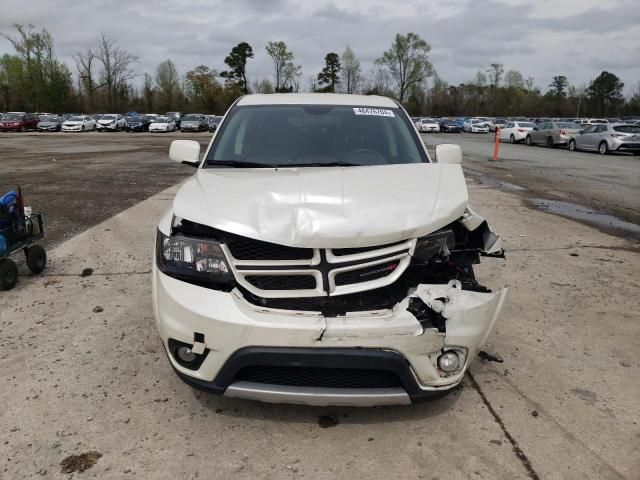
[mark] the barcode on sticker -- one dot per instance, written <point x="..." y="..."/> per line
<point x="377" y="112"/>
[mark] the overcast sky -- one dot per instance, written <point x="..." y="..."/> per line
<point x="540" y="38"/>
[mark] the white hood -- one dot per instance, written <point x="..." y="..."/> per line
<point x="331" y="207"/>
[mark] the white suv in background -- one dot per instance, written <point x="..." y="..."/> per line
<point x="319" y="256"/>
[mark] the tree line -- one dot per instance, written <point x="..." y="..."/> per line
<point x="34" y="79"/>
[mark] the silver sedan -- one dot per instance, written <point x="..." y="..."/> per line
<point x="606" y="138"/>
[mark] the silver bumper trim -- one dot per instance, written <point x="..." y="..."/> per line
<point x="319" y="397"/>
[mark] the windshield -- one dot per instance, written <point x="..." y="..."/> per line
<point x="161" y="120"/>
<point x="75" y="119"/>
<point x="14" y="116"/>
<point x="108" y="117"/>
<point x="315" y="135"/>
<point x="134" y="119"/>
<point x="526" y="124"/>
<point x="191" y="118"/>
<point x="627" y="128"/>
<point x="48" y="118"/>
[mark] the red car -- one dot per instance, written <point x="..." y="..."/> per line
<point x="19" y="122"/>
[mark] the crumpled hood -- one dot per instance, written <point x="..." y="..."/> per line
<point x="331" y="207"/>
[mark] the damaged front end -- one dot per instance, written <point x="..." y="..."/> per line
<point x="435" y="312"/>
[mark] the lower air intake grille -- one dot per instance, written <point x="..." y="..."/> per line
<point x="282" y="282"/>
<point x="319" y="377"/>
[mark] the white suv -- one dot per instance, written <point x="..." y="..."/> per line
<point x="319" y="256"/>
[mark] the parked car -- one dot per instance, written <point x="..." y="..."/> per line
<point x="193" y="123"/>
<point x="515" y="132"/>
<point x="136" y="124"/>
<point x="19" y="122"/>
<point x="162" y="124"/>
<point x="427" y="125"/>
<point x="50" y="123"/>
<point x="552" y="134"/>
<point x="497" y="123"/>
<point x="473" y="125"/>
<point x="79" y="123"/>
<point x="450" y="126"/>
<point x="177" y="117"/>
<point x="606" y="138"/>
<point x="591" y="121"/>
<point x="248" y="304"/>
<point x="110" y="122"/>
<point x="213" y="123"/>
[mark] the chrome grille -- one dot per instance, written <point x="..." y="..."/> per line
<point x="269" y="270"/>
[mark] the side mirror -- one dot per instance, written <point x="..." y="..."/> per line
<point x="185" y="151"/>
<point x="535" y="128"/>
<point x="449" y="153"/>
<point x="580" y="132"/>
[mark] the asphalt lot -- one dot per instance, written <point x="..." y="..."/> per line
<point x="76" y="378"/>
<point x="603" y="183"/>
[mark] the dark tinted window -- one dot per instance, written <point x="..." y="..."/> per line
<point x="278" y="135"/>
<point x="627" y="128"/>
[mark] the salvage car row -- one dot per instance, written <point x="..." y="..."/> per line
<point x="131" y="122"/>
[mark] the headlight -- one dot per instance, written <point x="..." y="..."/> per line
<point x="438" y="244"/>
<point x="194" y="260"/>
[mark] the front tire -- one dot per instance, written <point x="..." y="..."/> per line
<point x="8" y="274"/>
<point x="528" y="141"/>
<point x="36" y="258"/>
<point x="603" y="148"/>
<point x="82" y="129"/>
<point x="512" y="139"/>
<point x="550" y="142"/>
<point x="572" y="146"/>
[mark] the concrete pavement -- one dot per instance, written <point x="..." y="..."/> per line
<point x="78" y="378"/>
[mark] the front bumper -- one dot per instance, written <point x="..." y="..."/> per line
<point x="106" y="127"/>
<point x="227" y="325"/>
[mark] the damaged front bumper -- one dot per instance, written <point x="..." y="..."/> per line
<point x="233" y="337"/>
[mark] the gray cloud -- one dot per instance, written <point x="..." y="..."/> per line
<point x="465" y="35"/>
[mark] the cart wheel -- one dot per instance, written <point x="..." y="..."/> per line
<point x="8" y="274"/>
<point x="36" y="258"/>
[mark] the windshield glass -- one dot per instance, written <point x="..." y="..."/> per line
<point x="627" y="128"/>
<point x="48" y="118"/>
<point x="14" y="116"/>
<point x="108" y="117"/>
<point x="75" y="119"/>
<point x="191" y="118"/>
<point x="161" y="120"/>
<point x="134" y="119"/>
<point x="316" y="135"/>
<point x="526" y="124"/>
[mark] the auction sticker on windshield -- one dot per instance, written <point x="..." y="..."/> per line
<point x="378" y="112"/>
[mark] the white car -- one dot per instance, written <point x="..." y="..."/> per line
<point x="80" y="123"/>
<point x="110" y="122"/>
<point x="514" y="132"/>
<point x="163" y="124"/>
<point x="428" y="125"/>
<point x="320" y="256"/>
<point x="474" y="125"/>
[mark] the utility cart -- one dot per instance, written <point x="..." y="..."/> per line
<point x="19" y="230"/>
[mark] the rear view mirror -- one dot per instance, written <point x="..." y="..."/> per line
<point x="185" y="151"/>
<point x="449" y="153"/>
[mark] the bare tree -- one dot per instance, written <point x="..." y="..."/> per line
<point x="116" y="68"/>
<point x="168" y="83"/>
<point x="351" y="74"/>
<point x="85" y="64"/>
<point x="407" y="61"/>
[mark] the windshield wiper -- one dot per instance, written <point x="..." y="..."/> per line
<point x="320" y="164"/>
<point x="239" y="164"/>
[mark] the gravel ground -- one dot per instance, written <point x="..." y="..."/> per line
<point x="80" y="179"/>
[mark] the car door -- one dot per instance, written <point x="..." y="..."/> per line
<point x="585" y="140"/>
<point x="538" y="135"/>
<point x="506" y="131"/>
<point x="601" y="133"/>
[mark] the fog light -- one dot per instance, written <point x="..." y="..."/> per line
<point x="449" y="361"/>
<point x="185" y="355"/>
